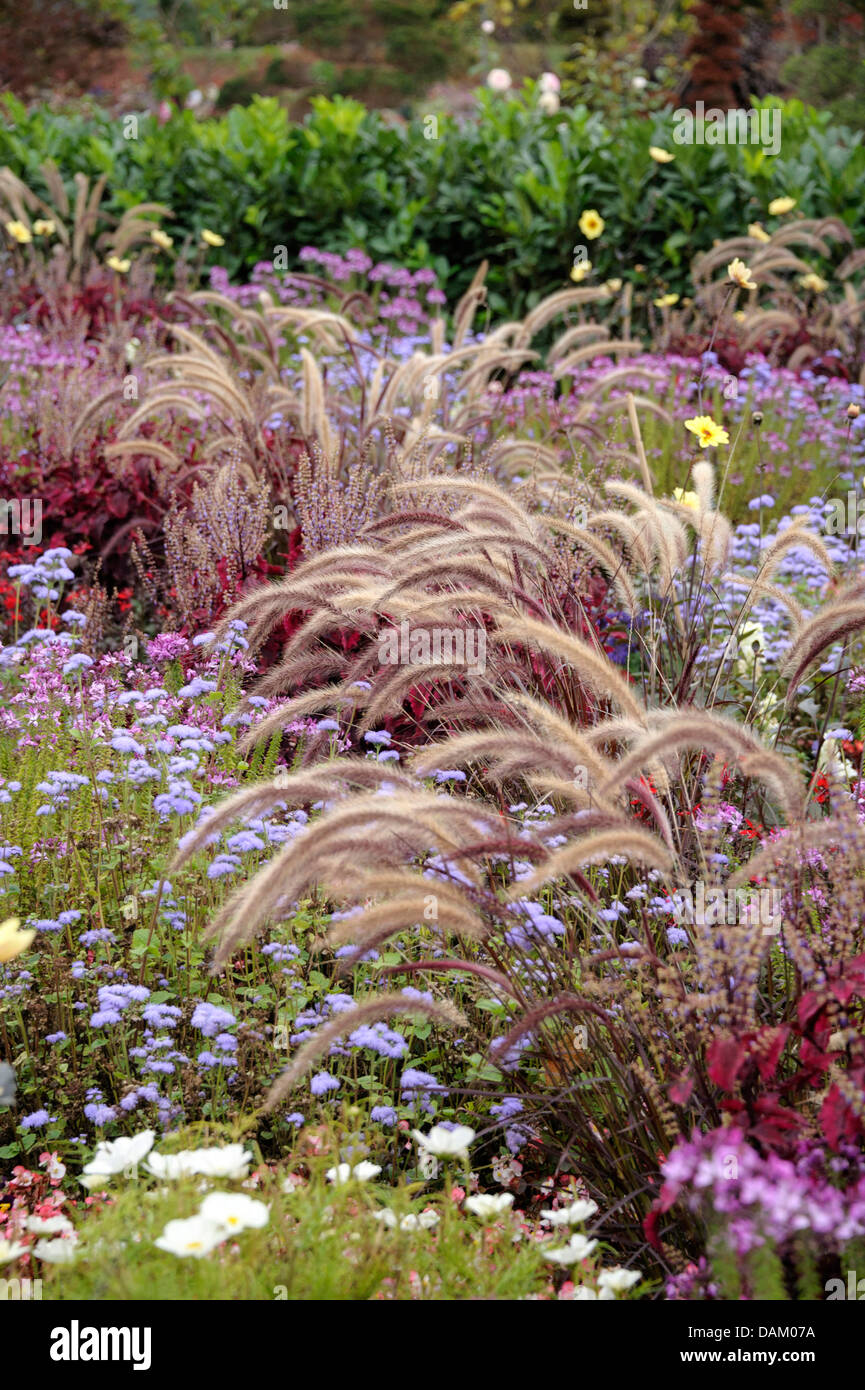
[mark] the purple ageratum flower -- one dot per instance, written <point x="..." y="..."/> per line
<point x="295" y="1118"/>
<point x="90" y="938"/>
<point x="383" y="1115"/>
<point x="323" y="1082"/>
<point x="99" y="1114"/>
<point x="37" y="1120"/>
<point x="209" y="1019"/>
<point x="197" y="686"/>
<point x="103" y="1018"/>
<point x="161" y="1015"/>
<point x="56" y="1038"/>
<point x="413" y="1082"/>
<point x="125" y="743"/>
<point x="377" y="737"/>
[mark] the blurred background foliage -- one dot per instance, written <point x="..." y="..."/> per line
<point x="618" y="57"/>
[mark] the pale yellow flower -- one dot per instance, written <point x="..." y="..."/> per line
<point x="666" y="301"/>
<point x="758" y="231"/>
<point x="740" y="274"/>
<point x="779" y="206"/>
<point x="161" y="239"/>
<point x="813" y="281"/>
<point x="13" y="941"/>
<point x="579" y="272"/>
<point x="44" y="226"/>
<point x="115" y="263"/>
<point x="212" y="238"/>
<point x="613" y="286"/>
<point x="661" y="156"/>
<point x="19" y="232"/>
<point x="708" y="433"/>
<point x="687" y="499"/>
<point x="591" y="224"/>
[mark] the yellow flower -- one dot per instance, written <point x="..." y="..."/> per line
<point x="666" y="301"/>
<point x="758" y="232"/>
<point x="591" y="224"/>
<point x="739" y="316"/>
<point x="43" y="226"/>
<point x="661" y="156"/>
<point x="579" y="272"/>
<point x="161" y="239"/>
<point x="708" y="433"/>
<point x="687" y="499"/>
<point x="613" y="286"/>
<point x="740" y="274"/>
<point x="13" y="941"/>
<point x="115" y="263"/>
<point x="813" y="281"/>
<point x="19" y="232"/>
<point x="212" y="238"/>
<point x="778" y="206"/>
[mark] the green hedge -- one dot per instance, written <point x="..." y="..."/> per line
<point x="508" y="186"/>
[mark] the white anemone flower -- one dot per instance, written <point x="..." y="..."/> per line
<point x="363" y="1172"/>
<point x="577" y="1248"/>
<point x="578" y="1211"/>
<point x="49" y="1225"/>
<point x="425" y="1221"/>
<point x="385" y="1216"/>
<point x="489" y="1207"/>
<point x="619" y="1280"/>
<point x="445" y="1143"/>
<point x="115" y="1156"/>
<point x="11" y="1250"/>
<point x="549" y="103"/>
<point x="498" y="80"/>
<point x="196" y="1236"/>
<point x="59" y="1251"/>
<point x="231" y="1161"/>
<point x="234" y="1211"/>
<point x="583" y="1293"/>
<point x="549" y="82"/>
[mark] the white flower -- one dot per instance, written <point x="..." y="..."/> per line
<point x="55" y="1252"/>
<point x="488" y="26"/>
<point x="549" y="82"/>
<point x="639" y="82"/>
<point x="117" y="1156"/>
<point x="385" y="1216"/>
<point x="234" y="1211"/>
<point x="10" y="1250"/>
<point x="577" y="1248"/>
<point x="570" y="1216"/>
<point x="49" y="1225"/>
<point x="582" y="1293"/>
<point x="498" y="79"/>
<point x="424" y="1222"/>
<point x="445" y="1143"/>
<point x="195" y="1236"/>
<point x="488" y="1207"/>
<point x="549" y="103"/>
<point x="364" y="1172"/>
<point x="619" y="1280"/>
<point x="231" y="1161"/>
<point x="194" y="99"/>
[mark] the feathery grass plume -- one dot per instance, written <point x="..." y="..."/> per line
<point x="637" y="846"/>
<point x="598" y="672"/>
<point x="842" y="619"/>
<point x="370" y="1011"/>
<point x="362" y="829"/>
<point x="638" y="441"/>
<point x="704" y="729"/>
